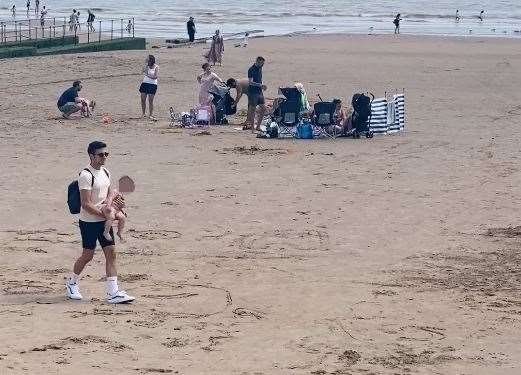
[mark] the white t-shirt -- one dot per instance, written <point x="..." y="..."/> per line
<point x="99" y="190"/>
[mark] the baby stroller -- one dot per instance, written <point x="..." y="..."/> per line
<point x="361" y="116"/>
<point x="223" y="102"/>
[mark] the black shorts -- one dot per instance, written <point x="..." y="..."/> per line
<point x="92" y="232"/>
<point x="148" y="88"/>
<point x="255" y="99"/>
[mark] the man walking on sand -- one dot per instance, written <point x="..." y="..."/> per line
<point x="95" y="185"/>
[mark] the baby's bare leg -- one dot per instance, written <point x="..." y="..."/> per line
<point x="120" y="216"/>
<point x="110" y="216"/>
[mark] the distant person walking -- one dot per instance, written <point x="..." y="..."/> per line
<point x="78" y="24"/>
<point x="95" y="185"/>
<point x="28" y="6"/>
<point x="215" y="54"/>
<point x="72" y="20"/>
<point x="190" y="28"/>
<point x="130" y="26"/>
<point x="42" y="17"/>
<point x="457" y="16"/>
<point x="90" y="21"/>
<point x="148" y="87"/>
<point x="37" y="7"/>
<point x="481" y="15"/>
<point x="396" y="22"/>
<point x="13" y="10"/>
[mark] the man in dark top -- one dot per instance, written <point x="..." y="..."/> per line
<point x="69" y="102"/>
<point x="255" y="95"/>
<point x="190" y="27"/>
<point x="90" y="21"/>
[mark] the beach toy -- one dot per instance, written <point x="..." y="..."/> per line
<point x="107" y="120"/>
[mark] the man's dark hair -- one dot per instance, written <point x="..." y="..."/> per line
<point x="151" y="61"/>
<point x="231" y="82"/>
<point x="205" y="65"/>
<point x="260" y="58"/>
<point x="96" y="145"/>
<point x="76" y="83"/>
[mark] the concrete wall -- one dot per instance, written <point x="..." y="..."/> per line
<point x="107" y="45"/>
<point x="6" y="53"/>
<point x="42" y="43"/>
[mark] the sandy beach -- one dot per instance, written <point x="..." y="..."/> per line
<point x="396" y="255"/>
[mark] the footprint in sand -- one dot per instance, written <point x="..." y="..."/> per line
<point x="154" y="234"/>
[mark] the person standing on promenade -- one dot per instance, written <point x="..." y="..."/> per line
<point x="255" y="94"/>
<point x="90" y="21"/>
<point x="28" y="5"/>
<point x="77" y="26"/>
<point x="42" y="17"/>
<point x="148" y="87"/>
<point x="95" y="185"/>
<point x="72" y="20"/>
<point x="37" y="7"/>
<point x="481" y="15"/>
<point x="215" y="54"/>
<point x="13" y="10"/>
<point x="396" y="22"/>
<point x="190" y="28"/>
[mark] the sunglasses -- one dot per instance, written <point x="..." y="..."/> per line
<point x="105" y="154"/>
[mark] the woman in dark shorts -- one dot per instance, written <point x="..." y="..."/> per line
<point x="149" y="86"/>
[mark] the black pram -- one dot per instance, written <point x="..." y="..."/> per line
<point x="223" y="102"/>
<point x="361" y="115"/>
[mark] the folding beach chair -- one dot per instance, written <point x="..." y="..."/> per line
<point x="323" y="118"/>
<point x="288" y="113"/>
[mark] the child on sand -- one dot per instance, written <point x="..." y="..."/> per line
<point x="87" y="107"/>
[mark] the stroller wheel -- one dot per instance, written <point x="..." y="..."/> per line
<point x="369" y="135"/>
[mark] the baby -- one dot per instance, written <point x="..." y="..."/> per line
<point x="112" y="214"/>
<point x="87" y="107"/>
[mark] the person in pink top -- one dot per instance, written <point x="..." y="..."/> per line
<point x="207" y="79"/>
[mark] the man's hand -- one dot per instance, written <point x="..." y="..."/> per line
<point x="119" y="202"/>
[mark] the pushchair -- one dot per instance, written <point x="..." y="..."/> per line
<point x="223" y="102"/>
<point x="361" y="116"/>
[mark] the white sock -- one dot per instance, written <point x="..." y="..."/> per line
<point x="74" y="278"/>
<point x="112" y="285"/>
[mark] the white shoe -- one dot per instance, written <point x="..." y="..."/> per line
<point x="120" y="297"/>
<point x="73" y="291"/>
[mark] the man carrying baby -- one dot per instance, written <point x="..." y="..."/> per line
<point x="95" y="186"/>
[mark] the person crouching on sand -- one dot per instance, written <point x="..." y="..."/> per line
<point x="70" y="102"/>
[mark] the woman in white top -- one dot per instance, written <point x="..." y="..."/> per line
<point x="149" y="86"/>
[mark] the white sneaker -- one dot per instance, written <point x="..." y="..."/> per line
<point x="73" y="291"/>
<point x="120" y="297"/>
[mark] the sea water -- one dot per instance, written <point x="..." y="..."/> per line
<point x="167" y="18"/>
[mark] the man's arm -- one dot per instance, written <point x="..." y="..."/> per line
<point x="239" y="93"/>
<point x="87" y="204"/>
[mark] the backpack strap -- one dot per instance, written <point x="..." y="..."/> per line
<point x="106" y="172"/>
<point x="88" y="170"/>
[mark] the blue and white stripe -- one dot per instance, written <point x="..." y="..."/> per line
<point x="378" y="124"/>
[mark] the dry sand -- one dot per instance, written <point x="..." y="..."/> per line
<point x="247" y="256"/>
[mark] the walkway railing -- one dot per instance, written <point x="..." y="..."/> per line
<point x="12" y="32"/>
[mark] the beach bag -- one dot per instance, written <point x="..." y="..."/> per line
<point x="73" y="193"/>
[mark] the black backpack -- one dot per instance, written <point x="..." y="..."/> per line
<point x="73" y="193"/>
